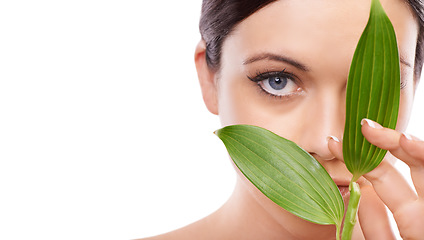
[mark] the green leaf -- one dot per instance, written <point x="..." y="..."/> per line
<point x="373" y="90"/>
<point x="285" y="173"/>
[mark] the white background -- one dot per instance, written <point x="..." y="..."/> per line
<point x="103" y="132"/>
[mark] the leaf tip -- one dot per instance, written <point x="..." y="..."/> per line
<point x="216" y="132"/>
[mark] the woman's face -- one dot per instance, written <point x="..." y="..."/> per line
<point x="285" y="69"/>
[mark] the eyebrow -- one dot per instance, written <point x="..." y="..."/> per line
<point x="281" y="58"/>
<point x="402" y="60"/>
<point x="275" y="57"/>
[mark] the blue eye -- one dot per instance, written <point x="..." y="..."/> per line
<point x="277" y="83"/>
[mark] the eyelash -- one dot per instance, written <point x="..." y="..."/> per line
<point x="260" y="76"/>
<point x="269" y="74"/>
<point x="403" y="84"/>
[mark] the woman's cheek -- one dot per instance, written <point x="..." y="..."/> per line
<point x="405" y="107"/>
<point x="246" y="104"/>
<point x="239" y="103"/>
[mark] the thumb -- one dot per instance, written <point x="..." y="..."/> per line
<point x="373" y="216"/>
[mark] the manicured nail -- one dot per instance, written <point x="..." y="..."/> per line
<point x="334" y="138"/>
<point x="407" y="136"/>
<point x="370" y="123"/>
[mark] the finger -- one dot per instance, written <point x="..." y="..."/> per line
<point x="385" y="138"/>
<point x="410" y="220"/>
<point x="385" y="178"/>
<point x="391" y="186"/>
<point x="408" y="149"/>
<point x="373" y="216"/>
<point x="415" y="148"/>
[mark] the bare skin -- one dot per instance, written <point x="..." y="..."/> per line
<point x="312" y="51"/>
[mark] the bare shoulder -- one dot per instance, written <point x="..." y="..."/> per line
<point x="203" y="229"/>
<point x="166" y="236"/>
<point x="183" y="233"/>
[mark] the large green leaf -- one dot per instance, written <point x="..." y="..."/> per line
<point x="285" y="173"/>
<point x="373" y="90"/>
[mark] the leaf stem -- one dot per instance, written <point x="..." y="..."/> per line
<point x="338" y="232"/>
<point x="352" y="209"/>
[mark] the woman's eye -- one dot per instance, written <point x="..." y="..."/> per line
<point x="279" y="85"/>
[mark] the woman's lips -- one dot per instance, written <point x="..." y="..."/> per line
<point x="344" y="190"/>
<point x="343" y="186"/>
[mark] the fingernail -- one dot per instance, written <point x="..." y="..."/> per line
<point x="334" y="138"/>
<point x="407" y="136"/>
<point x="370" y="123"/>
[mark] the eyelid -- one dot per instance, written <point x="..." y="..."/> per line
<point x="403" y="84"/>
<point x="260" y="76"/>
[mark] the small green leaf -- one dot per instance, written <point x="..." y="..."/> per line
<point x="373" y="90"/>
<point x="285" y="173"/>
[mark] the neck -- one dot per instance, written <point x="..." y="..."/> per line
<point x="249" y="214"/>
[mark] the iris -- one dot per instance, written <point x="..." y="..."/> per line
<point x="277" y="83"/>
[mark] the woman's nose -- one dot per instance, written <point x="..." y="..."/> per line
<point x="324" y="118"/>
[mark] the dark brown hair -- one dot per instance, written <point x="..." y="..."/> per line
<point x="219" y="17"/>
<point x="418" y="7"/>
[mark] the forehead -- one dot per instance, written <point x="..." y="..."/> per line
<point x="324" y="29"/>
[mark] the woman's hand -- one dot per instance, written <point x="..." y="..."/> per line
<point x="406" y="204"/>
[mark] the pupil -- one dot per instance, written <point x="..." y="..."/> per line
<point x="277" y="83"/>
